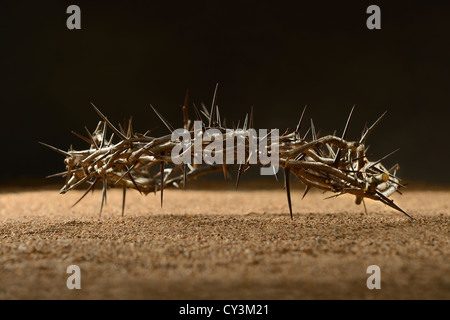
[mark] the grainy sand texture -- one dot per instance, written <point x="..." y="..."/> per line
<point x="222" y="244"/>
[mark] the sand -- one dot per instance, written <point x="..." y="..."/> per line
<point x="222" y="244"/>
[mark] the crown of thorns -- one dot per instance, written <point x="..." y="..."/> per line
<point x="142" y="162"/>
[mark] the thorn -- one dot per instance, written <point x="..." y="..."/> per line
<point x="306" y="134"/>
<point x="110" y="139"/>
<point x="224" y="169"/>
<point x="60" y="174"/>
<point x="102" y="143"/>
<point x="122" y="129"/>
<point x="334" y="196"/>
<point x="162" y="182"/>
<point x="318" y="133"/>
<point x="288" y="189"/>
<point x="184" y="175"/>
<point x="251" y="118"/>
<point x="166" y="123"/>
<point x="56" y="149"/>
<point x="245" y="122"/>
<point x="185" y="110"/>
<point x="337" y="158"/>
<point x="211" y="116"/>
<point x="134" y="182"/>
<point x="128" y="170"/>
<point x="91" y="137"/>
<point x="114" y="129"/>
<point x="219" y="122"/>
<point x="91" y="187"/>
<point x="386" y="156"/>
<point x="365" y="208"/>
<point x="205" y="111"/>
<point x="82" y="137"/>
<point x="105" y="185"/>
<point x="130" y="127"/>
<point x="313" y="130"/>
<point x="364" y="129"/>
<point x="391" y="203"/>
<point x="347" y="125"/>
<point x="369" y="131"/>
<point x="197" y="113"/>
<point x="306" y="191"/>
<point x="123" y="200"/>
<point x="275" y="173"/>
<point x="241" y="167"/>
<point x="297" y="130"/>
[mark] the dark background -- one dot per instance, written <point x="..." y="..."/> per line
<point x="277" y="56"/>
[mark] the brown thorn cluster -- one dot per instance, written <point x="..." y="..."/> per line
<point x="329" y="163"/>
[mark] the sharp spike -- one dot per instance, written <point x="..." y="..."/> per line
<point x="197" y="113"/>
<point x="81" y="137"/>
<point x="347" y="125"/>
<point x="185" y="110"/>
<point x="364" y="129"/>
<point x="378" y="161"/>
<point x="307" y="188"/>
<point x="245" y="122"/>
<point x="134" y="182"/>
<point x="337" y="158"/>
<point x="185" y="168"/>
<point x="299" y="125"/>
<point x="365" y="208"/>
<point x="91" y="137"/>
<point x="205" y="111"/>
<point x="166" y="123"/>
<point x="211" y="118"/>
<point x="126" y="173"/>
<point x="91" y="187"/>
<point x="130" y="132"/>
<point x="123" y="128"/>
<point x="318" y="133"/>
<point x="369" y="131"/>
<point x="124" y="194"/>
<point x="104" y="200"/>
<point x="334" y="196"/>
<point x="394" y="168"/>
<point x="241" y="168"/>
<point x="275" y="173"/>
<point x="114" y="129"/>
<point x="60" y="174"/>
<point x="391" y="203"/>
<point x="162" y="182"/>
<point x="206" y="114"/>
<point x="102" y="143"/>
<point x="288" y="189"/>
<point x="219" y="122"/>
<point x="110" y="139"/>
<point x="224" y="169"/>
<point x="64" y="153"/>
<point x="306" y="134"/>
<point x="313" y="130"/>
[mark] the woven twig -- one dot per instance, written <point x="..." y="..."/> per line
<point x="141" y="162"/>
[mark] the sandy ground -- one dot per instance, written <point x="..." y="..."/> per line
<point x="222" y="244"/>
